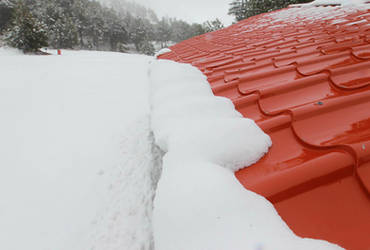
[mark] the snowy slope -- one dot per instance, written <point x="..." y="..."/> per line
<point x="74" y="130"/>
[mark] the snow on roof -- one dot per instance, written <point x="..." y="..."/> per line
<point x="342" y="3"/>
<point x="303" y="74"/>
<point x="338" y="2"/>
<point x="161" y="52"/>
<point x="199" y="204"/>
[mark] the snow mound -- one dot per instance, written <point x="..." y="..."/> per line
<point x="162" y="51"/>
<point x="199" y="204"/>
<point x="189" y="121"/>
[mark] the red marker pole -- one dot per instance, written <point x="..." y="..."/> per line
<point x="59" y="52"/>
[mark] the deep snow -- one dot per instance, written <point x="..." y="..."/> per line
<point x="75" y="151"/>
<point x="199" y="204"/>
<point x="80" y="168"/>
<point x="189" y="121"/>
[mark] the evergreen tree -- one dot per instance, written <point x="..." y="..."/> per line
<point x="164" y="31"/>
<point x="95" y="27"/>
<point x="122" y="47"/>
<point x="239" y="9"/>
<point x="196" y="30"/>
<point x="65" y="33"/>
<point x="116" y="33"/>
<point x="5" y="14"/>
<point x="146" y="47"/>
<point x="26" y="33"/>
<point x="87" y="24"/>
<point x="80" y="19"/>
<point x="138" y="32"/>
<point x="210" y="26"/>
<point x="180" y="30"/>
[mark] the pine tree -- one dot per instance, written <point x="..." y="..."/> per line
<point x="26" y="33"/>
<point x="122" y="47"/>
<point x="5" y="14"/>
<point x="238" y="9"/>
<point x="146" y="47"/>
<point x="96" y="27"/>
<point x="164" y="31"/>
<point x="196" y="30"/>
<point x="87" y="24"/>
<point x="180" y="30"/>
<point x="138" y="32"/>
<point x="210" y="26"/>
<point x="116" y="34"/>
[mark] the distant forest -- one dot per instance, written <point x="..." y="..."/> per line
<point x="118" y="25"/>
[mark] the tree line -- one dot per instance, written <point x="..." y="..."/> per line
<point x="87" y="24"/>
<point x="119" y="25"/>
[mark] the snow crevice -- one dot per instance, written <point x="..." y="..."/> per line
<point x="126" y="222"/>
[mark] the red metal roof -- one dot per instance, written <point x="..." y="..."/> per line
<point x="303" y="74"/>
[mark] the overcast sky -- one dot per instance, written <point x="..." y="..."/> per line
<point x="191" y="10"/>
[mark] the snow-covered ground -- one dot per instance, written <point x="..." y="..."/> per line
<point x="79" y="166"/>
<point x="75" y="150"/>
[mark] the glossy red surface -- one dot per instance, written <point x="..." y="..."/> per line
<point x="303" y="74"/>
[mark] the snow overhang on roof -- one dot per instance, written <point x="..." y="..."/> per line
<point x="303" y="74"/>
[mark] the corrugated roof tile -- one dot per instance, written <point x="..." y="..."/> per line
<point x="352" y="76"/>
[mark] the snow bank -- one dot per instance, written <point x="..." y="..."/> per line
<point x="75" y="167"/>
<point x="199" y="204"/>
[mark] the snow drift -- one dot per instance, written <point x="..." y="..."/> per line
<point x="199" y="204"/>
<point x="76" y="167"/>
<point x="189" y="121"/>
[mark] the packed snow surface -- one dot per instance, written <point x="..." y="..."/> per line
<point x="199" y="203"/>
<point x="76" y="152"/>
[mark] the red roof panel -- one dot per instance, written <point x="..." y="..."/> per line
<point x="303" y="74"/>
